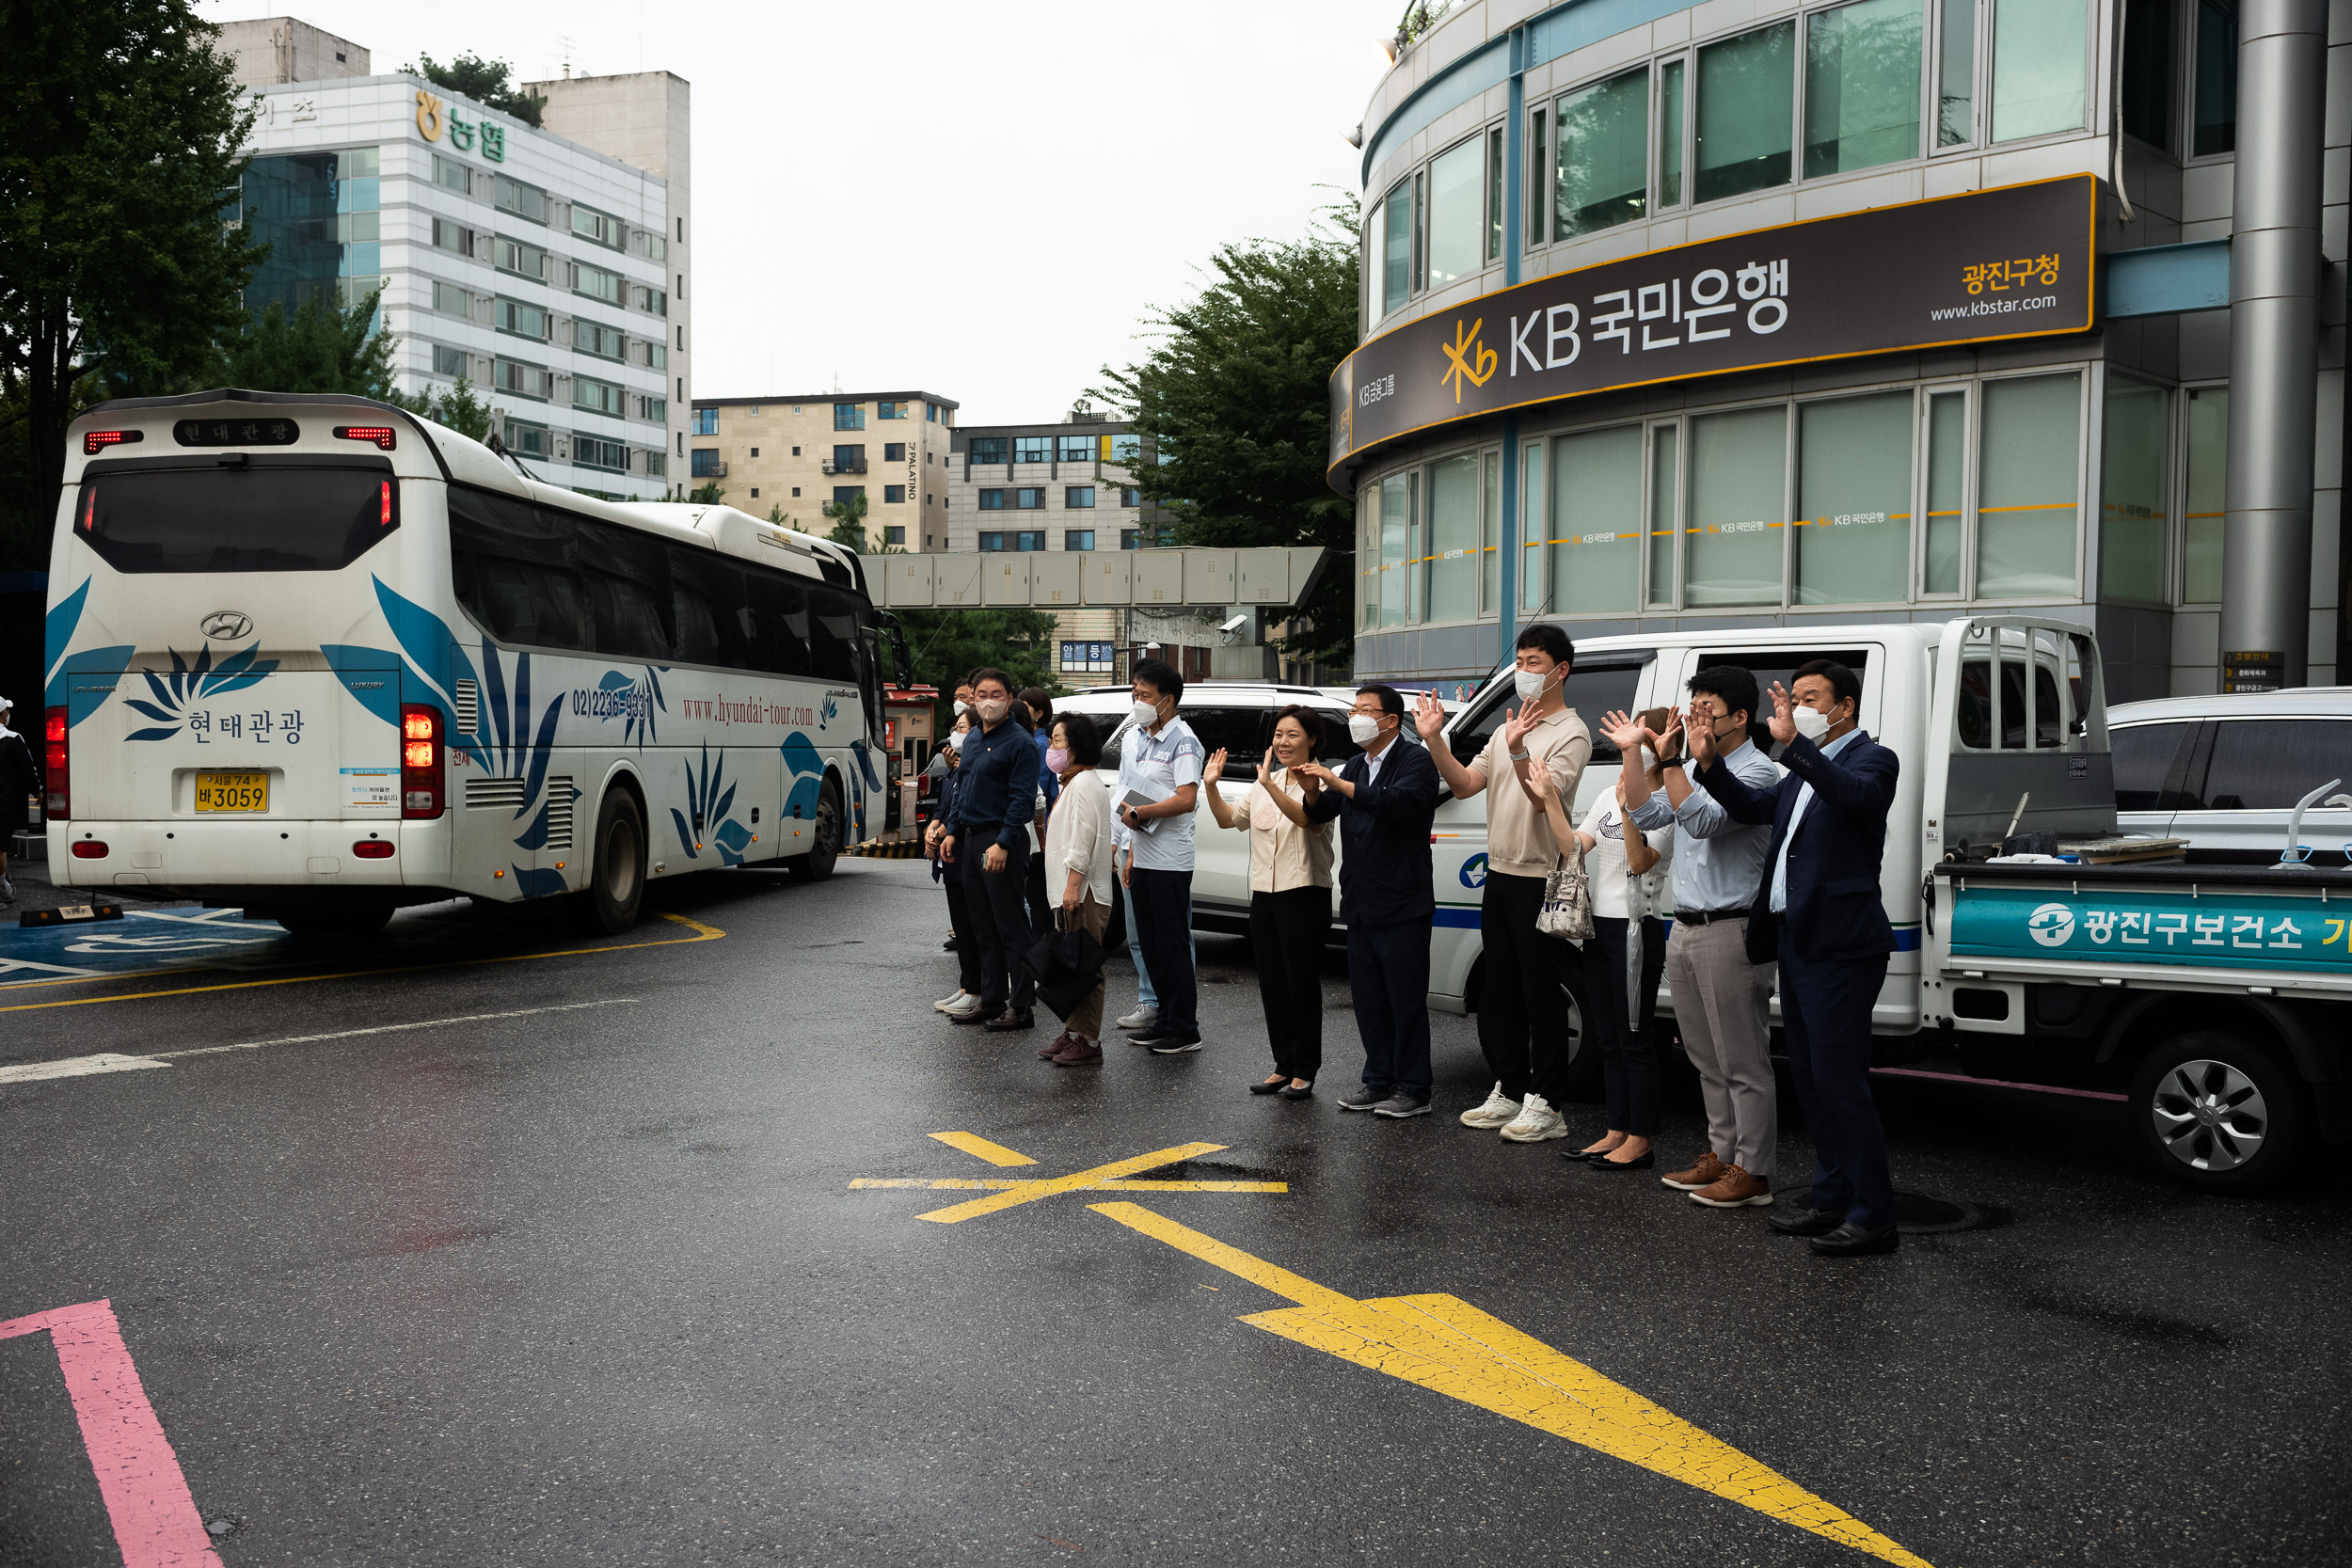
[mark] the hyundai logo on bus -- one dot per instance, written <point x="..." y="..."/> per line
<point x="225" y="625"/>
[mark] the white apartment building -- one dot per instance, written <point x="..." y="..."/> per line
<point x="547" y="273"/>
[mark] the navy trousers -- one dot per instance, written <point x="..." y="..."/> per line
<point x="1387" y="974"/>
<point x="1000" y="919"/>
<point x="1825" y="1019"/>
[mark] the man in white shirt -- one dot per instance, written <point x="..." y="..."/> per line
<point x="1161" y="763"/>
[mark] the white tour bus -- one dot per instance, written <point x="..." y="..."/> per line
<point x="317" y="658"/>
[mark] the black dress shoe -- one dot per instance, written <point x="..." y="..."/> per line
<point x="1292" y="1091"/>
<point x="1805" y="1222"/>
<point x="978" y="1014"/>
<point x="1269" y="1086"/>
<point x="1580" y="1155"/>
<point x="1007" y="1021"/>
<point x="1858" y="1241"/>
<point x="1643" y="1161"/>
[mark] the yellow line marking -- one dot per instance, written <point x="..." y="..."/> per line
<point x="981" y="1148"/>
<point x="1447" y="1346"/>
<point x="703" y="933"/>
<point x="1029" y="1191"/>
<point x="992" y="1183"/>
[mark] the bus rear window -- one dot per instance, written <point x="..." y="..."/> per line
<point x="236" y="519"/>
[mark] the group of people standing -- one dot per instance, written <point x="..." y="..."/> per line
<point x="1774" y="881"/>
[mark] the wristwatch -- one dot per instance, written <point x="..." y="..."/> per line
<point x="1518" y="756"/>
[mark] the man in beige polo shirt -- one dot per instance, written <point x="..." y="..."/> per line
<point x="1522" y="1026"/>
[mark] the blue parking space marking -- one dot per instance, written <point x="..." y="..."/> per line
<point x="141" y="941"/>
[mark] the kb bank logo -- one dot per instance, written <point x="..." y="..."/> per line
<point x="1473" y="363"/>
<point x="2051" y="924"/>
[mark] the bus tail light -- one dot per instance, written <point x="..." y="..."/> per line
<point x="373" y="850"/>
<point x="384" y="507"/>
<point x="380" y="436"/>
<point x="423" y="785"/>
<point x="96" y="441"/>
<point x="89" y="849"/>
<point x="55" y="782"/>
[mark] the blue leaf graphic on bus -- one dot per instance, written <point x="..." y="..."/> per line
<point x="537" y="881"/>
<point x="513" y="749"/>
<point x="866" y="765"/>
<point x="638" y="725"/>
<point x="363" y="672"/>
<point x="434" y="661"/>
<point x="807" y="771"/>
<point x="709" y="806"/>
<point x="61" y="670"/>
<point x="193" y="683"/>
<point x="831" y="711"/>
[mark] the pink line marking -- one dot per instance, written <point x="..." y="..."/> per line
<point x="155" y="1520"/>
<point x="2002" y="1084"/>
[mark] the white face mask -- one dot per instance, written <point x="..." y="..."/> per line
<point x="1649" y="761"/>
<point x="1812" y="724"/>
<point x="1530" y="683"/>
<point x="1362" y="728"/>
<point x="992" y="710"/>
<point x="962" y="707"/>
<point x="954" y="740"/>
<point x="1147" y="714"/>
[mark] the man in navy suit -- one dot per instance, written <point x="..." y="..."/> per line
<point x="1819" y="916"/>
<point x="1385" y="796"/>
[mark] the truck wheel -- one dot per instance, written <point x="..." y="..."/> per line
<point x="348" y="920"/>
<point x="2217" y="1112"/>
<point x="817" y="865"/>
<point x="616" y="879"/>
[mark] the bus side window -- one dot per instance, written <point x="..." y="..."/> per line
<point x="629" y="621"/>
<point x="697" y="641"/>
<point x="779" y="610"/>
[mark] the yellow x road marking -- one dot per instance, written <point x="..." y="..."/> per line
<point x="1011" y="1193"/>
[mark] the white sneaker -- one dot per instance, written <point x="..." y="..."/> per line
<point x="1141" y="1019"/>
<point x="1499" y="1109"/>
<point x="948" y="1004"/>
<point x="964" y="1006"/>
<point x="1535" y="1122"/>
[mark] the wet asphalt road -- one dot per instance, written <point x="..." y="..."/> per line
<point x="593" y="1287"/>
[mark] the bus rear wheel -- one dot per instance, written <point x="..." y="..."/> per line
<point x="616" y="877"/>
<point x="335" y="920"/>
<point x="824" y="839"/>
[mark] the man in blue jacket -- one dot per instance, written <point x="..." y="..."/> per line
<point x="1819" y="915"/>
<point x="993" y="810"/>
<point x="1385" y="797"/>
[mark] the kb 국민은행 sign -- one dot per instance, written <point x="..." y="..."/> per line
<point x="2012" y="263"/>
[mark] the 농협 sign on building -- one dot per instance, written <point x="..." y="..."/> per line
<point x="2012" y="263"/>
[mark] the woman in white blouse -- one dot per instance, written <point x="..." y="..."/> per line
<point x="1620" y="979"/>
<point x="1290" y="897"/>
<point x="1079" y="868"/>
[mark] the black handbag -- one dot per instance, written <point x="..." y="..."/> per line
<point x="1066" y="962"/>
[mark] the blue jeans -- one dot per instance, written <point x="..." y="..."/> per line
<point x="1146" y="996"/>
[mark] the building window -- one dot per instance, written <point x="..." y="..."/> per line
<point x="657" y="464"/>
<point x="522" y="319"/>
<point x="1862" y="85"/>
<point x="755" y="492"/>
<point x="1457" y="243"/>
<point x="599" y="397"/>
<point x="849" y="416"/>
<point x="598" y="228"/>
<point x="2134" y="511"/>
<point x="1126" y="448"/>
<point x="1732" y="542"/>
<point x="754" y="451"/>
<point x="521" y="257"/>
<point x="594" y="452"/>
<point x="1029" y="498"/>
<point x="447" y="361"/>
<point x="987" y="449"/>
<point x="652" y="354"/>
<point x="706" y="421"/>
<point x="1393" y="223"/>
<point x="846" y="493"/>
<point x="894" y="452"/>
<point x="1030" y="539"/>
<point x="605" y="342"/>
<point x="656" y="409"/>
<point x="991" y="501"/>
<point x="596" y="282"/>
<point x="894" y="495"/>
<point x="992" y="542"/>
<point x="1077" y="449"/>
<point x="2208" y="465"/>
<point x="449" y="235"/>
<point x="796" y="490"/>
<point x="2027" y="446"/>
<point x="1746" y="109"/>
<point x="1078" y="497"/>
<point x="1033" y="449"/>
<point x="1602" y="176"/>
<point x="895" y="536"/>
<point x="524" y="380"/>
<point x="1130" y="496"/>
<point x="655" y="302"/>
<point x="2215" y="117"/>
<point x="1398" y="493"/>
<point x="705" y="464"/>
<point x="526" y="439"/>
<point x="1596" y="533"/>
<point x="1077" y="539"/>
<point x="890" y="410"/>
<point x="2147" y="73"/>
<point x="2040" y="51"/>
<point x="452" y="300"/>
<point x="848" y="460"/>
<point x="1130" y="538"/>
<point x="524" y="201"/>
<point x="931" y="412"/>
<point x="1853" y="500"/>
<point x="1452" y="539"/>
<point x="451" y="176"/>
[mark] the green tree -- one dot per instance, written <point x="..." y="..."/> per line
<point x="120" y="129"/>
<point x="484" y="81"/>
<point x="948" y="644"/>
<point x="321" y="347"/>
<point x="457" y="408"/>
<point x="1235" y="401"/>
<point x="848" y="520"/>
<point x="706" y="495"/>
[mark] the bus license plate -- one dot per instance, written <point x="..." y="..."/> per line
<point x="232" y="792"/>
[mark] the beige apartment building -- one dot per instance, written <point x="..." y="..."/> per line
<point x="790" y="456"/>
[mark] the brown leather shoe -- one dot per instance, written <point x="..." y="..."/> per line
<point x="1708" y="1171"/>
<point x="1055" y="1046"/>
<point x="1081" y="1054"/>
<point x="1007" y="1021"/>
<point x="1736" y="1189"/>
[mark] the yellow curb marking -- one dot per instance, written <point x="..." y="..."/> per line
<point x="1446" y="1345"/>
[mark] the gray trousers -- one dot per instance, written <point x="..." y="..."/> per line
<point x="1723" y="1006"/>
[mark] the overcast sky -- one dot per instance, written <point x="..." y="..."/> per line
<point x="980" y="200"/>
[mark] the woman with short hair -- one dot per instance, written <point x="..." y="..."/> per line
<point x="1078" y="857"/>
<point x="1290" y="896"/>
